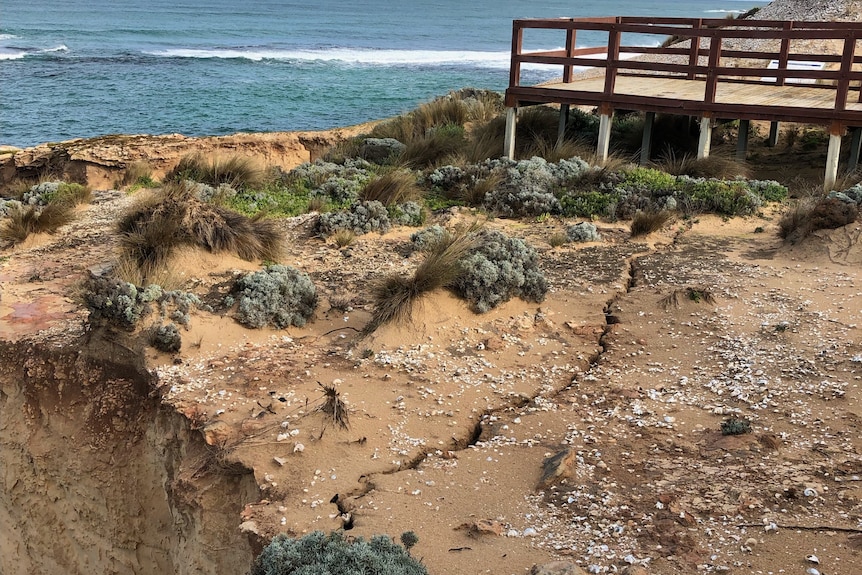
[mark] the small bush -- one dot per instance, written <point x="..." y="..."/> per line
<point x="360" y="218"/>
<point x="176" y="216"/>
<point x="344" y="238"/>
<point x="714" y="166"/>
<point x="239" y="172"/>
<point x="588" y="204"/>
<point x="278" y="295"/>
<point x="645" y="223"/>
<point x="425" y="240"/>
<point x="806" y="217"/>
<point x="166" y="338"/>
<point x="436" y="147"/>
<point x="407" y="214"/>
<point x="583" y="232"/>
<point x="20" y="222"/>
<point x="139" y="174"/>
<point x="558" y="239"/>
<point x="499" y="268"/>
<point x="391" y="188"/>
<point x="395" y="295"/>
<point x="113" y="301"/>
<point x="318" y="553"/>
<point x="735" y="426"/>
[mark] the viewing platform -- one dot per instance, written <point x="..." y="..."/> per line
<point x="728" y="69"/>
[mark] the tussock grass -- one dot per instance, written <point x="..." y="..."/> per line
<point x="23" y="221"/>
<point x="334" y="406"/>
<point x="560" y="150"/>
<point x="344" y="238"/>
<point x="174" y="217"/>
<point x="715" y="166"/>
<point x="808" y="216"/>
<point x="694" y="294"/>
<point x="436" y="147"/>
<point x="558" y="239"/>
<point x="645" y="223"/>
<point x="138" y="173"/>
<point x="239" y="172"/>
<point x="395" y="295"/>
<point x="474" y="194"/>
<point x="394" y="187"/>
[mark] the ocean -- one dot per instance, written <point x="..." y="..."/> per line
<point x="83" y="68"/>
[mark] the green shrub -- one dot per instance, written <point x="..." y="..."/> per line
<point x="588" y="204"/>
<point x="652" y="181"/>
<point x="498" y="269"/>
<point x="360" y="218"/>
<point x="735" y="426"/>
<point x="113" y="301"/>
<point x="166" y="338"/>
<point x="278" y="295"/>
<point x="320" y="554"/>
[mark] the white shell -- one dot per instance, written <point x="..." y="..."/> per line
<point x="812" y="571"/>
<point x="813" y="559"/>
<point x="810" y="492"/>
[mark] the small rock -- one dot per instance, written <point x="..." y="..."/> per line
<point x="249" y="527"/>
<point x="217" y="433"/>
<point x="280" y="460"/>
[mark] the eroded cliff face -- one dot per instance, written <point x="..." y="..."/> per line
<point x="101" y="162"/>
<point x="97" y="477"/>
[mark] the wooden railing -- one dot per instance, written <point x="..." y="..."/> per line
<point x="705" y="57"/>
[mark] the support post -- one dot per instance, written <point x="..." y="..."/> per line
<point x="742" y="140"/>
<point x="564" y="121"/>
<point x="832" y="160"/>
<point x="604" y="144"/>
<point x="705" y="137"/>
<point x="511" y="125"/>
<point x="773" y="134"/>
<point x="855" y="149"/>
<point x="646" y="141"/>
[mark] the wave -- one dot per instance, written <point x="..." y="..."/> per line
<point x="363" y="56"/>
<point x="15" y="53"/>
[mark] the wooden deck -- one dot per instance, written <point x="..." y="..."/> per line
<point x="711" y="74"/>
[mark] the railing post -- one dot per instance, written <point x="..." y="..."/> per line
<point x="705" y="139"/>
<point x="571" y="39"/>
<point x="844" y="73"/>
<point x="517" y="46"/>
<point x="784" y="54"/>
<point x="694" y="50"/>
<point x="511" y="127"/>
<point x="835" y="132"/>
<point x="646" y="139"/>
<point x="605" y="121"/>
<point x="613" y="58"/>
<point x="711" y="73"/>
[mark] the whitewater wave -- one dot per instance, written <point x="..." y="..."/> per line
<point x="13" y="53"/>
<point x="368" y="57"/>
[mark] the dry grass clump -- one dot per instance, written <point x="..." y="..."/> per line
<point x="391" y="188"/>
<point x="395" y="295"/>
<point x="23" y="221"/>
<point x="344" y="238"/>
<point x="138" y="172"/>
<point x="645" y="223"/>
<point x="561" y="150"/>
<point x="239" y="172"/>
<point x="334" y="406"/>
<point x="436" y="147"/>
<point x="714" y="166"/>
<point x="693" y="294"/>
<point x="174" y="217"/>
<point x="808" y="216"/>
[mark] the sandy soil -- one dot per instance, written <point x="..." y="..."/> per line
<point x="453" y="415"/>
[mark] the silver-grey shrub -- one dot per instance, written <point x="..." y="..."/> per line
<point x="498" y="269"/>
<point x="278" y="295"/>
<point x="317" y="553"/>
<point x="583" y="232"/>
<point x="406" y="214"/>
<point x="360" y="218"/>
<point x="423" y="240"/>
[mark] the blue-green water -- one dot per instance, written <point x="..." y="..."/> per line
<point x="83" y="68"/>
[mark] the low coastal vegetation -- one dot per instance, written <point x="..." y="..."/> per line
<point x="413" y="167"/>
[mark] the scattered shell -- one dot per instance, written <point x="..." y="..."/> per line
<point x="771" y="526"/>
<point x="280" y="460"/>
<point x="812" y="571"/>
<point x="513" y="533"/>
<point x="530" y="532"/>
<point x="813" y="559"/>
<point x="298" y="448"/>
<point x="810" y="492"/>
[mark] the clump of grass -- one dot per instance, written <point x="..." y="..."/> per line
<point x="334" y="406"/>
<point x="558" y="239"/>
<point x="713" y="166"/>
<point x="239" y="172"/>
<point x="693" y="294"/>
<point x="139" y="174"/>
<point x="344" y="238"/>
<point x="806" y="217"/>
<point x="395" y="295"/>
<point x="436" y="147"/>
<point x="645" y="223"/>
<point x="391" y="188"/>
<point x="23" y="221"/>
<point x="160" y="223"/>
